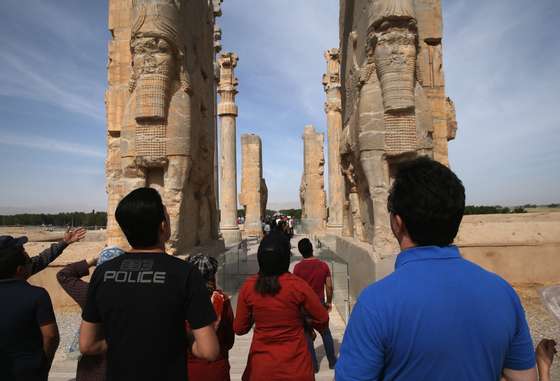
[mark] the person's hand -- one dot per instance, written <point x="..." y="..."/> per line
<point x="545" y="354"/>
<point x="92" y="261"/>
<point x="74" y="235"/>
<point x="328" y="306"/>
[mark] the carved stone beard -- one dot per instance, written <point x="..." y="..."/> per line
<point x="152" y="95"/>
<point x="154" y="73"/>
<point x="395" y="59"/>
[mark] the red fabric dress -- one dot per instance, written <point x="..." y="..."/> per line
<point x="216" y="370"/>
<point x="279" y="348"/>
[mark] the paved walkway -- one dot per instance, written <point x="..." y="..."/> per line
<point x="240" y="350"/>
<point x="235" y="274"/>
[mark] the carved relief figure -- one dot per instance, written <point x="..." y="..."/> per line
<point x="387" y="116"/>
<point x="156" y="131"/>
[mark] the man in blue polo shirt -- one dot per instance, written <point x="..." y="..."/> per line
<point x="437" y="316"/>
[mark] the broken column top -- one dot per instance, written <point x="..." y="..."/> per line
<point x="250" y="139"/>
<point x="309" y="129"/>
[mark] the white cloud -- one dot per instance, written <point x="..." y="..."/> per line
<point x="54" y="145"/>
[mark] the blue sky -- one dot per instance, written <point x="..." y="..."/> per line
<point x="501" y="63"/>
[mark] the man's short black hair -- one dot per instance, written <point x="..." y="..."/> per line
<point x="140" y="214"/>
<point x="305" y="248"/>
<point x="430" y="199"/>
<point x="10" y="259"/>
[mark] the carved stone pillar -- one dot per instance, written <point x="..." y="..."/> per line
<point x="312" y="190"/>
<point x="431" y="75"/>
<point x="333" y="109"/>
<point x="227" y="112"/>
<point x="253" y="188"/>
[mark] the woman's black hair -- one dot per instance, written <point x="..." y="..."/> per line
<point x="274" y="260"/>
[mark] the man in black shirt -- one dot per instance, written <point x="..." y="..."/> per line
<point x="138" y="303"/>
<point x="28" y="331"/>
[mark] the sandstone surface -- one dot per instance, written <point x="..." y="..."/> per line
<point x="254" y="193"/>
<point x="161" y="113"/>
<point x="394" y="106"/>
<point x="312" y="189"/>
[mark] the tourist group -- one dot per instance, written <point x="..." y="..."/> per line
<point x="151" y="316"/>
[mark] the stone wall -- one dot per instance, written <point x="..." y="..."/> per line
<point x="254" y="193"/>
<point x="524" y="249"/>
<point x="161" y="113"/>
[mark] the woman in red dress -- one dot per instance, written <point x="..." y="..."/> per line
<point x="218" y="370"/>
<point x="275" y="301"/>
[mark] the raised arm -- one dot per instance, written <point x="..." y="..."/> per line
<point x="41" y="261"/>
<point x="70" y="280"/>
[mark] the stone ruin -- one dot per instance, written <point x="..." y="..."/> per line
<point x="333" y="109"/>
<point x="161" y="113"/>
<point x="385" y="104"/>
<point x="394" y="106"/>
<point x="254" y="193"/>
<point x="227" y="112"/>
<point x="312" y="189"/>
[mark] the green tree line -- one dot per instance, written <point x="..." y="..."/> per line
<point x="59" y="219"/>
<point x="492" y="209"/>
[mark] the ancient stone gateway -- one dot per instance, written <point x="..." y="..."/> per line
<point x="312" y="189"/>
<point x="394" y="105"/>
<point x="160" y="113"/>
<point x="254" y="193"/>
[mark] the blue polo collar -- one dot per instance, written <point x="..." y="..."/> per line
<point x="424" y="253"/>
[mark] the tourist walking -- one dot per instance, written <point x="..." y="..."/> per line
<point x="318" y="275"/>
<point x="218" y="370"/>
<point x="137" y="303"/>
<point x="275" y="302"/>
<point x="437" y="316"/>
<point x="90" y="368"/>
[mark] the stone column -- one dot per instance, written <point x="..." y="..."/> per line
<point x="312" y="190"/>
<point x="253" y="188"/>
<point x="227" y="112"/>
<point x="431" y="76"/>
<point x="333" y="109"/>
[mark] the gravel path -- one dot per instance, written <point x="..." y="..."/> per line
<point x="68" y="324"/>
